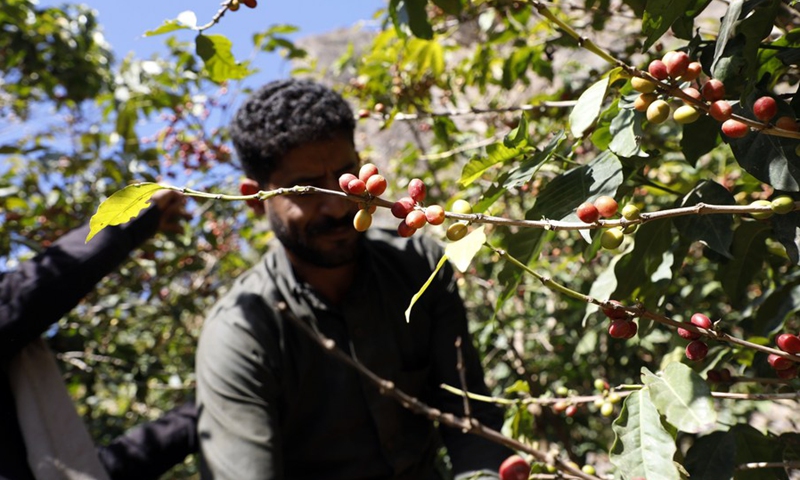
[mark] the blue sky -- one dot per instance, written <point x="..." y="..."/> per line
<point x="125" y="21"/>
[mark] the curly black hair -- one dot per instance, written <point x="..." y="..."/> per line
<point x="283" y="115"/>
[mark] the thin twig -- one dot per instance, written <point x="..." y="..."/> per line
<point x="462" y="377"/>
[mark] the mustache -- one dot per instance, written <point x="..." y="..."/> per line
<point x="329" y="224"/>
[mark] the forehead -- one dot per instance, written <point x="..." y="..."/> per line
<point x="316" y="159"/>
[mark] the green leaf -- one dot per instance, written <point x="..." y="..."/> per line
<point x="519" y="135"/>
<point x="699" y="138"/>
<point x="658" y="17"/>
<point x="528" y="168"/>
<point x="642" y="446"/>
<point x="166" y="27"/>
<point x="586" y="111"/>
<point x="776" y="308"/>
<point x="428" y="56"/>
<point x="749" y="250"/>
<point x="713" y="230"/>
<point x="625" y="130"/>
<point x="711" y="457"/>
<point x="787" y="231"/>
<point x="122" y="206"/>
<point x="463" y="251"/>
<point x="215" y="50"/>
<point x="726" y="29"/>
<point x="635" y="269"/>
<point x="495" y="153"/>
<point x="754" y="446"/>
<point x="425" y="286"/>
<point x="411" y="14"/>
<point x="683" y="397"/>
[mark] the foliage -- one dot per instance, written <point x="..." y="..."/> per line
<point x="551" y="111"/>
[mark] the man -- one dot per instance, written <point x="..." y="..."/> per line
<point x="273" y="404"/>
<point x="39" y="293"/>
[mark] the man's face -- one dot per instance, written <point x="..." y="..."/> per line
<point x="316" y="228"/>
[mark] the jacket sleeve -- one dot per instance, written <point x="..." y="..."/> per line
<point x="149" y="450"/>
<point x="49" y="285"/>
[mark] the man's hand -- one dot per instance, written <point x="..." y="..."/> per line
<point x="172" y="205"/>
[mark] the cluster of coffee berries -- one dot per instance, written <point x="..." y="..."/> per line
<point x="411" y="211"/>
<point x="514" y="468"/>
<point x="784" y="367"/>
<point x="677" y="68"/>
<point x="233" y="5"/>
<point x="697" y="349"/>
<point x="605" y="404"/>
<point x="607" y="207"/>
<point x="368" y="181"/>
<point x="781" y="205"/>
<point x="621" y="324"/>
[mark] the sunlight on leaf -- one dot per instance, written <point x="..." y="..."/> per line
<point x="122" y="206"/>
<point x="463" y="251"/>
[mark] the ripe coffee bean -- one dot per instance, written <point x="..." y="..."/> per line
<point x="622" y="329"/>
<point x="356" y="187"/>
<point x="734" y="128"/>
<point x="416" y="190"/>
<point x="779" y="363"/>
<point x="693" y="93"/>
<point x="677" y="64"/>
<point x="713" y="90"/>
<point x="435" y="214"/>
<point x="402" y="207"/>
<point x="658" y="69"/>
<point x="788" y="343"/>
<point x="587" y="212"/>
<point x="404" y="230"/>
<point x="367" y="170"/>
<point x="701" y="321"/>
<point x="696" y="351"/>
<point x="787" y="374"/>
<point x="615" y="313"/>
<point x="765" y="108"/>
<point x="720" y="110"/>
<point x="606" y="206"/>
<point x="344" y="181"/>
<point x="514" y="468"/>
<point x="786" y="123"/>
<point x="416" y="219"/>
<point x="688" y="334"/>
<point x="376" y="185"/>
<point x="250" y="3"/>
<point x="693" y="70"/>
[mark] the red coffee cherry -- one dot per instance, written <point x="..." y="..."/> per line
<point x="571" y="410"/>
<point x="779" y="363"/>
<point x="788" y="343"/>
<point x="344" y="181"/>
<point x="701" y="321"/>
<point x="376" y="185"/>
<point x="734" y="128"/>
<point x="658" y="69"/>
<point x="587" y="213"/>
<point x="435" y="214"/>
<point x="677" y="63"/>
<point x="615" y="313"/>
<point x="713" y="90"/>
<point x="404" y="230"/>
<point x="765" y="108"/>
<point x="688" y="334"/>
<point x="416" y="190"/>
<point x="415" y="219"/>
<point x="787" y="374"/>
<point x="720" y="110"/>
<point x="606" y="206"/>
<point x="356" y="187"/>
<point x="366" y="171"/>
<point x="696" y="351"/>
<point x="514" y="468"/>
<point x="692" y="72"/>
<point x="786" y="123"/>
<point x="402" y="207"/>
<point x="250" y="3"/>
<point x="622" y="329"/>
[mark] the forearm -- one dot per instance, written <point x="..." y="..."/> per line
<point x="46" y="287"/>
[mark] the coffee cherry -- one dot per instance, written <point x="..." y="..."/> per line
<point x="367" y="170"/>
<point x="688" y="334"/>
<point x="363" y="113"/>
<point x="613" y="397"/>
<point x="779" y="363"/>
<point x="402" y="207"/>
<point x="514" y="468"/>
<point x="642" y="85"/>
<point x="632" y="329"/>
<point x="658" y="112"/>
<point x="763" y="215"/>
<point x="692" y="93"/>
<point x="701" y="321"/>
<point x="622" y="329"/>
<point x="571" y="411"/>
<point x="787" y="374"/>
<point x="611" y="238"/>
<point x="233" y="5"/>
<point x="600" y="384"/>
<point x="643" y="101"/>
<point x="379" y="107"/>
<point x="713" y="90"/>
<point x="344" y="181"/>
<point x="693" y="70"/>
<point x="404" y="230"/>
<point x="462" y="206"/>
<point x="734" y="128"/>
<point x="356" y="187"/>
<point x="696" y="351"/>
<point x="658" y="69"/>
<point x="435" y="214"/>
<point x="415" y="219"/>
<point x="416" y="190"/>
<point x="788" y="343"/>
<point x="720" y="110"/>
<point x="607" y="409"/>
<point x="606" y="206"/>
<point x="686" y="114"/>
<point x="677" y="64"/>
<point x="376" y="185"/>
<point x="456" y="231"/>
<point x="713" y="376"/>
<point x="362" y="220"/>
<point x="630" y="212"/>
<point x="786" y="123"/>
<point x="250" y="3"/>
<point x="765" y="108"/>
<point x="587" y="213"/>
<point x="782" y="204"/>
<point x="615" y="313"/>
<point x="589" y="470"/>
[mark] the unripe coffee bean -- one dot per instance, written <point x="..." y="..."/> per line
<point x="782" y="204"/>
<point x="362" y="220"/>
<point x="456" y="231"/>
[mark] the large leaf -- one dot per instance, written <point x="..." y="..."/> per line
<point x="495" y="153"/>
<point x="713" y="230"/>
<point x="754" y="446"/>
<point x="215" y="50"/>
<point x="625" y="130"/>
<point x="528" y="167"/>
<point x="683" y="397"/>
<point x="726" y="29"/>
<point x="122" y="206"/>
<point x="787" y="231"/>
<point x="642" y="446"/>
<point x="699" y="138"/>
<point x="778" y="305"/>
<point x="658" y="17"/>
<point x="711" y="457"/>
<point x="749" y="250"/>
<point x="586" y="111"/>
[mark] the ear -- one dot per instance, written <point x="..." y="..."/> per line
<point x="248" y="186"/>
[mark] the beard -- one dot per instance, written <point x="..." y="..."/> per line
<point x="307" y="246"/>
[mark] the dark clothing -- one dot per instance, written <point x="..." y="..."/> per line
<point x="274" y="405"/>
<point x="38" y="294"/>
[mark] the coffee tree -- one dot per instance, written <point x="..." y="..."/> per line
<point x="619" y="184"/>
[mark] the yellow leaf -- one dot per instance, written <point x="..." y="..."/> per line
<point x="424" y="287"/>
<point x="462" y="251"/>
<point x="122" y="206"/>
